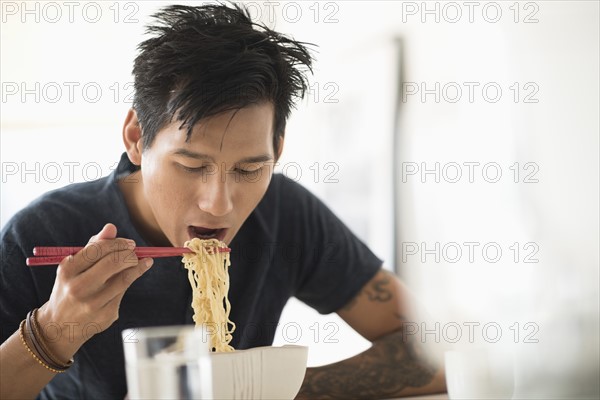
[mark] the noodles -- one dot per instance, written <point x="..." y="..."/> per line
<point x="209" y="278"/>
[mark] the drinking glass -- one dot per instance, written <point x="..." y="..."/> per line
<point x="167" y="363"/>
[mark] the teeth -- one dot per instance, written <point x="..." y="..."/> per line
<point x="205" y="236"/>
<point x="204" y="233"/>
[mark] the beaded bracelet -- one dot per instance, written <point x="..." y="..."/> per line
<point x="58" y="371"/>
<point x="38" y="339"/>
<point x="31" y="339"/>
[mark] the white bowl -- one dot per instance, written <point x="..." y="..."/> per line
<point x="259" y="373"/>
<point x="174" y="362"/>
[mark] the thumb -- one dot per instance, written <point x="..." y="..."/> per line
<point x="109" y="231"/>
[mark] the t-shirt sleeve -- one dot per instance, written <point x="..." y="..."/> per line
<point x="23" y="288"/>
<point x="335" y="264"/>
<point x="18" y="288"/>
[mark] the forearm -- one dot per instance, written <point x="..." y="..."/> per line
<point x="29" y="360"/>
<point x="392" y="367"/>
<point x="21" y="376"/>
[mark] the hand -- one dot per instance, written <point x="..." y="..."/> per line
<point x="88" y="291"/>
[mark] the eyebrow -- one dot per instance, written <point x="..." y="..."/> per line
<point x="200" y="156"/>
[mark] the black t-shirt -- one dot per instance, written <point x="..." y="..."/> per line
<point x="291" y="245"/>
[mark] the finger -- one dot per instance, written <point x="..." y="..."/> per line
<point x="108" y="231"/>
<point x="68" y="265"/>
<point x="84" y="286"/>
<point x="119" y="283"/>
<point x="93" y="253"/>
<point x="105" y="315"/>
<point x="95" y="277"/>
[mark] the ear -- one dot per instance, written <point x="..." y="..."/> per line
<point x="279" y="148"/>
<point x="132" y="137"/>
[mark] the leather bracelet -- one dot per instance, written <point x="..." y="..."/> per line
<point x="31" y="339"/>
<point x="39" y="337"/>
<point x="39" y="346"/>
<point x="21" y="327"/>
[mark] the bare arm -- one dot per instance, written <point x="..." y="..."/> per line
<point x="394" y="366"/>
<point x="21" y="376"/>
<point x="85" y="291"/>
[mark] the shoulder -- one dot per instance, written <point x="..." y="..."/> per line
<point x="280" y="181"/>
<point x="58" y="215"/>
<point x="292" y="201"/>
<point x="76" y="199"/>
<point x="285" y="191"/>
<point x="290" y="209"/>
<point x="285" y="209"/>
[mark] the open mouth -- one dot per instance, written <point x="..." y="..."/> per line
<point x="202" y="232"/>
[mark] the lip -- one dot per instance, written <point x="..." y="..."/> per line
<point x="220" y="234"/>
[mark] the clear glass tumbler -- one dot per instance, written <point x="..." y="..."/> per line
<point x="169" y="362"/>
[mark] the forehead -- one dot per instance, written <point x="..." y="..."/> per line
<point x="244" y="130"/>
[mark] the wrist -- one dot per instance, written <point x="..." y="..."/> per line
<point x="61" y="338"/>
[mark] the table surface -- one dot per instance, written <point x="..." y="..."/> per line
<point x="441" y="396"/>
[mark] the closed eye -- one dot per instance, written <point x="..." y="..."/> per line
<point x="246" y="171"/>
<point x="249" y="169"/>
<point x="211" y="169"/>
<point x="196" y="170"/>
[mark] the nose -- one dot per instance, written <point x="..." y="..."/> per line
<point x="215" y="196"/>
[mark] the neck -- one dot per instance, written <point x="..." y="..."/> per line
<point x="140" y="213"/>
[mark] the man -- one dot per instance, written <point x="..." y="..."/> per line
<point x="212" y="95"/>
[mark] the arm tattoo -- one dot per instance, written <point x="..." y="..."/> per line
<point x="392" y="364"/>
<point x="376" y="291"/>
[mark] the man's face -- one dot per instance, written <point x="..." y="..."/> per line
<point x="208" y="186"/>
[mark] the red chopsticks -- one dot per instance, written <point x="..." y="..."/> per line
<point x="54" y="255"/>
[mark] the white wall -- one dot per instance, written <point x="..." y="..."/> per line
<point x="550" y="51"/>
